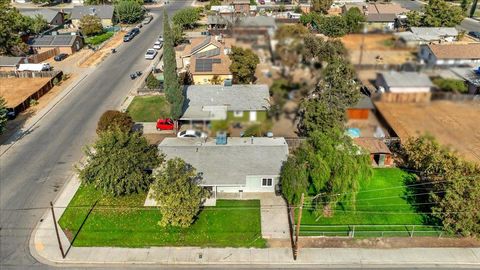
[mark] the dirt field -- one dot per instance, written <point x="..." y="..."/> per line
<point x="394" y="242"/>
<point x="99" y="55"/>
<point x="17" y="90"/>
<point x="452" y="123"/>
<point x="371" y="42"/>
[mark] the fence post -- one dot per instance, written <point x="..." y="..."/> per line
<point x="413" y="230"/>
<point x="353" y="232"/>
<point x="297" y="228"/>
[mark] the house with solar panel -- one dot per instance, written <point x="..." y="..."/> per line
<point x="68" y="44"/>
<point x="206" y="59"/>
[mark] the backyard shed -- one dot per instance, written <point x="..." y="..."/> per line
<point x="380" y="155"/>
<point x="404" y="86"/>
<point x="361" y="110"/>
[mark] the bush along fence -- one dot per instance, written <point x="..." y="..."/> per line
<point x="352" y="231"/>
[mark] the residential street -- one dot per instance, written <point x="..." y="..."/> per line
<point x="34" y="169"/>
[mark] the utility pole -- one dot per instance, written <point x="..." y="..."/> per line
<point x="297" y="228"/>
<point x="56" y="231"/>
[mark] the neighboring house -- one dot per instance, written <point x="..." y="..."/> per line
<point x="53" y="17"/>
<point x="450" y="54"/>
<point x="361" y="110"/>
<point x="241" y="103"/>
<point x="380" y="155"/>
<point x="222" y="9"/>
<point x="242" y="25"/>
<point x="425" y="35"/>
<point x="238" y="166"/>
<point x="404" y="86"/>
<point x="471" y="77"/>
<point x="10" y="63"/>
<point x="205" y="58"/>
<point x="68" y="44"/>
<point x="105" y="13"/>
<point x="379" y="16"/>
<point x="241" y="6"/>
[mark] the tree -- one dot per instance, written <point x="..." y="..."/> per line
<point x="322" y="51"/>
<point x="3" y="115"/>
<point x="451" y="85"/>
<point x="354" y="19"/>
<point x="244" y="64"/>
<point x="294" y="179"/>
<point x="178" y="194"/>
<point x="216" y="80"/>
<point x="465" y="4"/>
<point x="111" y="120"/>
<point x="177" y="34"/>
<point x="129" y="11"/>
<point x="291" y="31"/>
<point x="326" y="107"/>
<point x="446" y="185"/>
<point x="321" y="5"/>
<point x="91" y="25"/>
<point x="118" y="163"/>
<point x="333" y="26"/>
<point x="437" y="13"/>
<point x="186" y="18"/>
<point x="152" y="82"/>
<point x="36" y="24"/>
<point x="173" y="89"/>
<point x="12" y="26"/>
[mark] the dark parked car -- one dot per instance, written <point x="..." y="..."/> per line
<point x="131" y="34"/>
<point x="475" y="34"/>
<point x="60" y="57"/>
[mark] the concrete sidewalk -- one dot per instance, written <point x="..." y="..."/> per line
<point x="44" y="247"/>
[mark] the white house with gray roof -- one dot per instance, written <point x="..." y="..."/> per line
<point x="104" y="12"/>
<point x="218" y="102"/>
<point x="425" y="35"/>
<point x="240" y="165"/>
<point x="403" y="82"/>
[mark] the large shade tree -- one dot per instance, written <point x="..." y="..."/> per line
<point x="244" y="64"/>
<point x="129" y="11"/>
<point x="178" y="194"/>
<point x="12" y="26"/>
<point x="437" y="13"/>
<point x="118" y="163"/>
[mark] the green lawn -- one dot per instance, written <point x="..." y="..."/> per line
<point x="149" y="108"/>
<point x="98" y="39"/>
<point x="381" y="201"/>
<point x="124" y="222"/>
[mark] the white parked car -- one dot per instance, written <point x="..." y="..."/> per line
<point x="158" y="45"/>
<point x="190" y="133"/>
<point x="150" y="54"/>
<point x="160" y="38"/>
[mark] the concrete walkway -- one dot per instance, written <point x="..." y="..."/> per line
<point x="44" y="247"/>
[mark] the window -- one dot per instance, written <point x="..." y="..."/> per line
<point x="267" y="182"/>
<point x="238" y="113"/>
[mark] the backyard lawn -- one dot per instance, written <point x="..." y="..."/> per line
<point x="149" y="108"/>
<point x="380" y="202"/>
<point x="124" y="222"/>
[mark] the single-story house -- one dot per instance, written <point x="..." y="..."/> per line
<point x="68" y="44"/>
<point x="206" y="58"/>
<point x="361" y="110"/>
<point x="243" y="24"/>
<point x="424" y="35"/>
<point x="404" y="86"/>
<point x="379" y="16"/>
<point x="240" y="103"/>
<point x="237" y="166"/>
<point x="53" y="17"/>
<point x="105" y="13"/>
<point x="450" y="54"/>
<point x="10" y="63"/>
<point x="380" y="155"/>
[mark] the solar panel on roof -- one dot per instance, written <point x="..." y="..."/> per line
<point x="209" y="53"/>
<point x="61" y="40"/>
<point x="206" y="64"/>
<point x="205" y="42"/>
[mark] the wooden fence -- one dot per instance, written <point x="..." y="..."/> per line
<point x="30" y="74"/>
<point x="40" y="57"/>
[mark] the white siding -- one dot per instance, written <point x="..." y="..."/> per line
<point x="253" y="184"/>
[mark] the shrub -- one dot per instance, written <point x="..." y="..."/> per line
<point x="98" y="39"/>
<point x="114" y="119"/>
<point x="152" y="82"/>
<point x="451" y="85"/>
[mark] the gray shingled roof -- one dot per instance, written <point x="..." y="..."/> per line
<point x="235" y="98"/>
<point x="10" y="61"/>
<point x="53" y="41"/>
<point x="428" y="33"/>
<point x="47" y="14"/>
<point x="363" y="103"/>
<point x="103" y="12"/>
<point x="406" y="79"/>
<point x="229" y="164"/>
<point x="381" y="17"/>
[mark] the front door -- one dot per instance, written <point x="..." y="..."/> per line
<point x="253" y="116"/>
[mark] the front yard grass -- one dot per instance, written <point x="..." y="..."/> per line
<point x="98" y="39"/>
<point x="125" y="222"/>
<point x="381" y="202"/>
<point x="149" y="108"/>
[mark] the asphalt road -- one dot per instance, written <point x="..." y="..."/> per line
<point x="34" y="170"/>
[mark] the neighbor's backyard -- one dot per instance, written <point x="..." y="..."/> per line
<point x="125" y="222"/>
<point x="382" y="209"/>
<point x="148" y="108"/>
